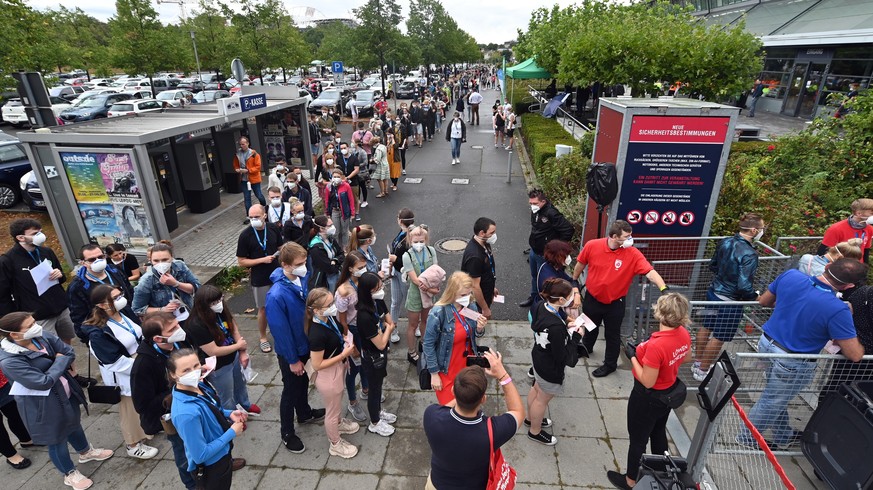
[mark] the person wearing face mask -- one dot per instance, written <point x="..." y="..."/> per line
<point x="478" y="262"/>
<point x="450" y="337"/>
<point x="375" y="327"/>
<point x="149" y="386"/>
<point x="346" y="299"/>
<point x="326" y="163"/>
<point x="326" y="255"/>
<point x="213" y="329"/>
<point x="352" y="109"/>
<point x="382" y="173"/>
<point x="314" y="135"/>
<point x="612" y="264"/>
<point x="418" y="257"/>
<point x="858" y="225"/>
<point x="362" y="138"/>
<point x="279" y="174"/>
<point x="456" y="133"/>
<point x="39" y="362"/>
<point x="123" y="261"/>
<point x="416" y="117"/>
<point x="256" y="250"/>
<point x="94" y="270"/>
<point x="403" y="137"/>
<point x="733" y="269"/>
<point x="339" y="204"/>
<point x="814" y="265"/>
<point x="554" y="350"/>
<point x="393" y="156"/>
<point x="206" y="428"/>
<point x="351" y="167"/>
<point x="362" y="239"/>
<point x="299" y="189"/>
<point x="396" y="250"/>
<point x="558" y="256"/>
<point x="546" y="224"/>
<point x="169" y="285"/>
<point x="17" y="289"/>
<point x="326" y="126"/>
<point x="279" y="210"/>
<point x="330" y="349"/>
<point x="247" y="163"/>
<point x="298" y="229"/>
<point x="113" y="339"/>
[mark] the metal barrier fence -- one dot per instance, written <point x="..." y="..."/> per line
<point x="568" y="121"/>
<point x="797" y="245"/>
<point x="801" y="381"/>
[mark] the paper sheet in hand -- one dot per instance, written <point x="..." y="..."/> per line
<point x="40" y="275"/>
<point x="210" y="363"/>
<point x="831" y="347"/>
<point x="584" y="321"/>
<point x="19" y="390"/>
<point x="472" y="315"/>
<point x="499" y="299"/>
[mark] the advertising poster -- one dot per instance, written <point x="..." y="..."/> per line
<point x="669" y="173"/>
<point x="282" y="129"/>
<point x="108" y="195"/>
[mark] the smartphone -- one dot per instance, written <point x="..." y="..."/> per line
<point x="480" y="361"/>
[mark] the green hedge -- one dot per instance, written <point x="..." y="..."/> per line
<point x="540" y="137"/>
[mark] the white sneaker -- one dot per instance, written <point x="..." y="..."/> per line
<point x="346" y="426"/>
<point x="404" y="172"/>
<point x="364" y="204"/>
<point x="459" y="160"/>
<point x="495" y="145"/>
<point x="387" y="417"/>
<point x="698" y="374"/>
<point x="382" y="428"/>
<point x="395" y="337"/>
<point x="418" y="332"/>
<point x="142" y="451"/>
<point x="695" y="365"/>
<point x="77" y="480"/>
<point x="343" y="449"/>
<point x="454" y="161"/>
<point x="95" y="454"/>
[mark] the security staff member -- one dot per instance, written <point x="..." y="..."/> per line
<point x="478" y="261"/>
<point x="546" y="223"/>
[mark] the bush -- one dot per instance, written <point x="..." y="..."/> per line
<point x="541" y="135"/>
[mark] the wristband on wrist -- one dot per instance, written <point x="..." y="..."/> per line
<point x="506" y="381"/>
<point x="666" y="287"/>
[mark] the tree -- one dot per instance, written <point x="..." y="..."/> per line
<point x="89" y="39"/>
<point x="139" y="44"/>
<point x="265" y="36"/>
<point x="212" y="34"/>
<point x="438" y="35"/>
<point x="378" y="38"/>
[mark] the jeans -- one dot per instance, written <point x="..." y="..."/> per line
<point x="398" y="296"/>
<point x="456" y="148"/>
<point x="294" y="397"/>
<point x="785" y="378"/>
<point x="374" y="378"/>
<point x="181" y="460"/>
<point x="752" y="104"/>
<point x="342" y="228"/>
<point x="231" y="386"/>
<point x="247" y="195"/>
<point x="60" y="455"/>
<point x="611" y="315"/>
<point x="353" y="369"/>
<point x="536" y="261"/>
<point x="646" y="420"/>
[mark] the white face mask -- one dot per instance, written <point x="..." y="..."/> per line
<point x="162" y="267"/>
<point x="38" y="239"/>
<point x="380" y="294"/>
<point x="117" y="262"/>
<point x="191" y="379"/>
<point x="372" y="241"/>
<point x="279" y="168"/>
<point x="299" y="216"/>
<point x="628" y="243"/>
<point x="98" y="266"/>
<point x="463" y="300"/>
<point x="568" y="260"/>
<point x="217" y="307"/>
<point x="336" y="181"/>
<point x="337" y="140"/>
<point x="299" y="271"/>
<point x="330" y="150"/>
<point x="869" y="220"/>
<point x="492" y="239"/>
<point x="257" y="223"/>
<point x="331" y="311"/>
<point x="418" y="246"/>
<point x="359" y="272"/>
<point x="759" y="235"/>
<point x="329" y="161"/>
<point x="567" y="303"/>
<point x="534" y="208"/>
<point x="120" y="303"/>
<point x="33" y="332"/>
<point x="178" y="336"/>
<point x="344" y="151"/>
<point x="330" y="231"/>
<point x="276" y="202"/>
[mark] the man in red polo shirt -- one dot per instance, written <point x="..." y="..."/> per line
<point x="856" y="226"/>
<point x="612" y="264"/>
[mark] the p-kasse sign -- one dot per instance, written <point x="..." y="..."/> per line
<point x="245" y="103"/>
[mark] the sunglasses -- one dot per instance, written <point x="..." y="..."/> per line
<point x="94" y="259"/>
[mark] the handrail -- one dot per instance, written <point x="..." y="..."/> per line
<point x="542" y="99"/>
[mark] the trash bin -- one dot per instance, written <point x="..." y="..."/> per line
<point x="561" y="150"/>
<point x="838" y="439"/>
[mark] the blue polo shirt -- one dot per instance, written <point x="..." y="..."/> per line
<point x="807" y="314"/>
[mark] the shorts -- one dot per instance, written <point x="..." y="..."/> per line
<point x="499" y="129"/>
<point x="548" y="388"/>
<point x="510" y="132"/>
<point x="260" y="294"/>
<point x="418" y="129"/>
<point x="60" y="325"/>
<point x="722" y="321"/>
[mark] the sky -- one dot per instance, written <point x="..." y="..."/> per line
<point x="489" y="21"/>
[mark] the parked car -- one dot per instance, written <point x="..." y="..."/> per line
<point x="134" y="106"/>
<point x="30" y="192"/>
<point x="14" y="113"/>
<point x="364" y="100"/>
<point x="13" y="165"/>
<point x="67" y="92"/>
<point x="174" y="97"/>
<point x="92" y="108"/>
<point x="334" y="99"/>
<point x="407" y="90"/>
<point x="138" y="94"/>
<point x="191" y="86"/>
<point x="218" y="86"/>
<point x="302" y="92"/>
<point x="210" y="95"/>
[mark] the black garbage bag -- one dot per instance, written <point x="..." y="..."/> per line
<point x="602" y="184"/>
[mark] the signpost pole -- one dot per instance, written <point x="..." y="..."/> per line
<point x="509" y="168"/>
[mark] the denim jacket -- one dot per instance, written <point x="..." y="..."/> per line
<point x="733" y="267"/>
<point x="150" y="293"/>
<point x="440" y="335"/>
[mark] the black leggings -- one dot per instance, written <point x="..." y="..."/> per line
<point x="646" y="421"/>
<point x="375" y="377"/>
<point x="403" y="157"/>
<point x="217" y="476"/>
<point x="16" y="425"/>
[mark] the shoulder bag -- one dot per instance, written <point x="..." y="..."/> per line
<point x="673" y="396"/>
<point x="109" y="395"/>
<point x="501" y="476"/>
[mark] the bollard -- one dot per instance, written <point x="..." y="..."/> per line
<point x="509" y="168"/>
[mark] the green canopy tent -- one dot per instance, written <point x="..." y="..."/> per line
<point x="525" y="70"/>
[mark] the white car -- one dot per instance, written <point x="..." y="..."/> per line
<point x="175" y="97"/>
<point x="14" y="113"/>
<point x="136" y="85"/>
<point x="133" y="106"/>
<point x="138" y="94"/>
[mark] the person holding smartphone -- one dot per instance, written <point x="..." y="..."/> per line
<point x="451" y="337"/>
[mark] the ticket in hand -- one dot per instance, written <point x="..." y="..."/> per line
<point x="472" y="315"/>
<point x="499" y="299"/>
<point x="584" y="321"/>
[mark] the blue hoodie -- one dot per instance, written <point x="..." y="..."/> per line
<point x="286" y="308"/>
<point x="205" y="440"/>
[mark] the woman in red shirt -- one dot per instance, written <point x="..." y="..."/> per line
<point x="655" y="367"/>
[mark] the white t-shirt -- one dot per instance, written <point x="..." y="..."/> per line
<point x="457" y="132"/>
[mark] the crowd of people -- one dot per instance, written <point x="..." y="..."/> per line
<point x="179" y="363"/>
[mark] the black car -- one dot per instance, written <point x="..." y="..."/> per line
<point x="93" y="107"/>
<point x="364" y="100"/>
<point x="407" y="90"/>
<point x="13" y="165"/>
<point x="333" y="99"/>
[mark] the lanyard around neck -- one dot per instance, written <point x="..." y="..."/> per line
<point x="126" y="326"/>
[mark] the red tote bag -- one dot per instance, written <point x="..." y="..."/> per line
<point x="501" y="476"/>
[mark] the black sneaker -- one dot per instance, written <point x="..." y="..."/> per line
<point x="543" y="438"/>
<point x="294" y="444"/>
<point x="526" y="303"/>
<point x="547" y="422"/>
<point x="618" y="480"/>
<point x="317" y="416"/>
<point x="603" y="370"/>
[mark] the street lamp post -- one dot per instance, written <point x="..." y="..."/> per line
<point x="196" y="56"/>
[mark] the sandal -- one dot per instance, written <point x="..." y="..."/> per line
<point x="394" y="188"/>
<point x="266" y="348"/>
<point x="381" y="195"/>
